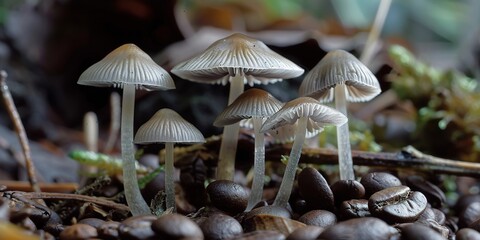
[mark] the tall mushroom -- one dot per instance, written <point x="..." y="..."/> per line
<point x="167" y="126"/>
<point x="254" y="104"/>
<point x="128" y="67"/>
<point x="307" y="113"/>
<point x="237" y="59"/>
<point x="342" y="75"/>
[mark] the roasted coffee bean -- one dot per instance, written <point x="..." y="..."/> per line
<point x="467" y="234"/>
<point x="475" y="225"/>
<point x="440" y="217"/>
<point x="220" y="226"/>
<point x="434" y="194"/>
<point x="270" y="222"/>
<point x="152" y="188"/>
<point x="305" y="233"/>
<point x="442" y="230"/>
<point x="176" y="226"/>
<point x="228" y="196"/>
<point x="108" y="230"/>
<point x="192" y="179"/>
<point x="149" y="160"/>
<point x="355" y="208"/>
<point x="319" y="218"/>
<point x="269" y="210"/>
<point x="427" y="214"/>
<point x="465" y="200"/>
<point x="137" y="228"/>
<point x="359" y="228"/>
<point x="376" y="181"/>
<point x="469" y="215"/>
<point x="78" y="231"/>
<point x="315" y="190"/>
<point x="347" y="189"/>
<point x="397" y="204"/>
<point x="94" y="222"/>
<point x="419" y="232"/>
<point x="261" y="235"/>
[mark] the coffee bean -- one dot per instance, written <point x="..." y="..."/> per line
<point x="355" y="208"/>
<point x="442" y="230"/>
<point x="228" y="196"/>
<point x="315" y="190"/>
<point x="78" y="231"/>
<point x="359" y="228"/>
<point x="156" y="185"/>
<point x="427" y="214"/>
<point x="419" y="232"/>
<point x="176" y="226"/>
<point x="467" y="234"/>
<point x="94" y="222"/>
<point x="347" y="189"/>
<point x="397" y="204"/>
<point x="220" y="226"/>
<point x="469" y="215"/>
<point x="305" y="233"/>
<point x="376" y="181"/>
<point x="261" y="235"/>
<point x="475" y="225"/>
<point x="137" y="228"/>
<point x="270" y="222"/>
<point x="434" y="194"/>
<point x="465" y="200"/>
<point x="319" y="218"/>
<point x="108" y="230"/>
<point x="440" y="217"/>
<point x="269" y="210"/>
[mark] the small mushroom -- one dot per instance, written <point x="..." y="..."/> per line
<point x="342" y="75"/>
<point x="307" y="113"/>
<point x="167" y="126"/>
<point x="254" y="104"/>
<point x="237" y="59"/>
<point x="128" y="67"/>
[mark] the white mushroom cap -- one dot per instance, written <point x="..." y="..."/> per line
<point x="318" y="114"/>
<point x="237" y="52"/>
<point x="252" y="103"/>
<point x="127" y="64"/>
<point x="340" y="67"/>
<point x="167" y="125"/>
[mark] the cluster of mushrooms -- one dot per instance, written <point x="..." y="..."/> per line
<point x="236" y="59"/>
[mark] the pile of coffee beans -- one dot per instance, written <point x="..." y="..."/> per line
<point x="378" y="206"/>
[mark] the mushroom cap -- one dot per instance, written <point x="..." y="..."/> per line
<point x="252" y="103"/>
<point x="318" y="115"/>
<point x="340" y="67"/>
<point x="127" y="64"/>
<point x="237" y="52"/>
<point x="167" y="125"/>
<point x="285" y="133"/>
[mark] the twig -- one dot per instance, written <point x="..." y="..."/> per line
<point x="114" y="122"/>
<point x="46" y="187"/>
<point x="20" y="130"/>
<point x="408" y="157"/>
<point x="69" y="196"/>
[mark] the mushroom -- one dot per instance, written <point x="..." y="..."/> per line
<point x="128" y="67"/>
<point x="237" y="59"/>
<point x="167" y="126"/>
<point x="342" y="75"/>
<point x="254" y="104"/>
<point x="307" y="113"/>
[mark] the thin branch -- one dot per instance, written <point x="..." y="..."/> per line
<point x="69" y="196"/>
<point x="20" y="130"/>
<point x="45" y="187"/>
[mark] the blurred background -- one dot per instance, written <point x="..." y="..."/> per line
<point x="46" y="44"/>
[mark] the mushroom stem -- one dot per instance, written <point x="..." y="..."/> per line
<point x="228" y="146"/>
<point x="169" y="183"/>
<point x="289" y="176"/>
<point x="345" y="163"/>
<point x="134" y="198"/>
<point x="259" y="164"/>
